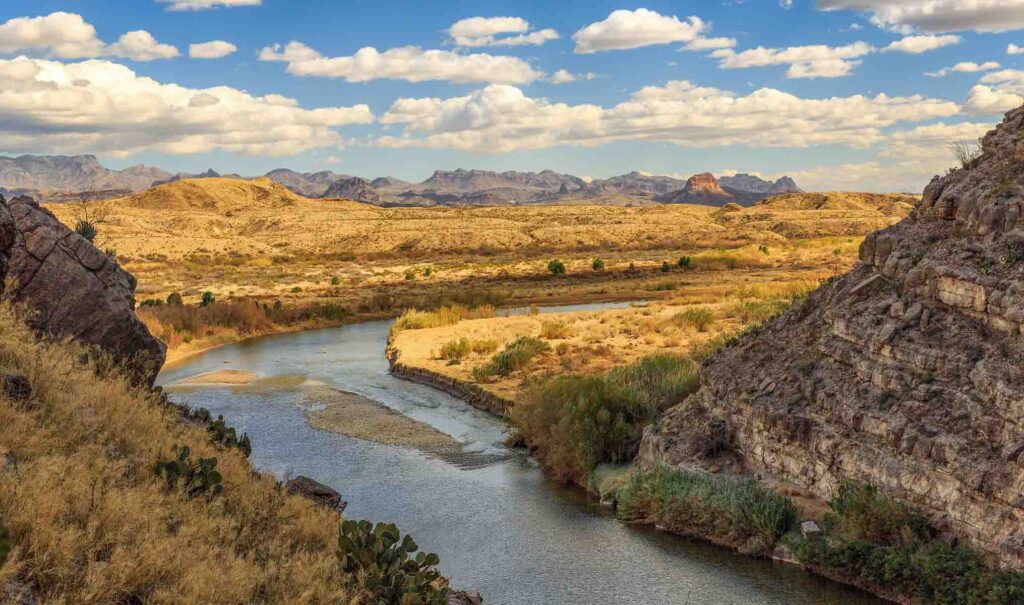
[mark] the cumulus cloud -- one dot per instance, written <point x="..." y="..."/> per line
<point x="966" y="67"/>
<point x="69" y="36"/>
<point x="201" y="5"/>
<point x="498" y="31"/>
<point x="563" y="76"/>
<point x="916" y="45"/>
<point x="998" y="92"/>
<point x="97" y="106"/>
<point x="937" y="15"/>
<point x="815" y="61"/>
<point x="214" y="49"/>
<point x="409" y="63"/>
<point x="625" y="29"/>
<point x="1013" y="49"/>
<point x="906" y="161"/>
<point x="501" y="118"/>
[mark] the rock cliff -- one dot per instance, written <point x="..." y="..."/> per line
<point x="905" y="373"/>
<point x="73" y="289"/>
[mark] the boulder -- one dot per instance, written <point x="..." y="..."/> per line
<point x="17" y="387"/>
<point x="462" y="597"/>
<point x="317" y="492"/>
<point x="74" y="289"/>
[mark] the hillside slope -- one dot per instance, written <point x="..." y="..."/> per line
<point x="904" y="373"/>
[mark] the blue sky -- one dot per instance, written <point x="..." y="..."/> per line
<point x="834" y="92"/>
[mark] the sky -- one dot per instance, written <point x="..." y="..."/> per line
<point x="840" y="94"/>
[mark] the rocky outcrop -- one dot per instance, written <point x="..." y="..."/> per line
<point x="905" y="373"/>
<point x="700" y="189"/>
<point x="317" y="492"/>
<point x="73" y="289"/>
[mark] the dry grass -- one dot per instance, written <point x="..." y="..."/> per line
<point x="91" y="523"/>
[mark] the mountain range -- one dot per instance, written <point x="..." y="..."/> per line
<point x="71" y="178"/>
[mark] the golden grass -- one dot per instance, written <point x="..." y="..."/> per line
<point x="91" y="523"/>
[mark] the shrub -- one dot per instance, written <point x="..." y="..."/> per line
<point x="555" y="329"/>
<point x="335" y="280"/>
<point x="428" y="271"/>
<point x="665" y="267"/>
<point x="220" y="432"/>
<point x="735" y="511"/>
<point x="684" y="262"/>
<point x="207" y="299"/>
<point x="759" y="311"/>
<point x="485" y="345"/>
<point x="384" y="559"/>
<point x="410" y="274"/>
<point x="572" y="423"/>
<point x="556" y="267"/>
<point x="86" y="229"/>
<point x="455" y="350"/>
<point x="701" y="319"/>
<point x="296" y="290"/>
<point x="517" y="355"/>
<point x="597" y="265"/>
<point x="195" y="477"/>
<point x="174" y="299"/>
<point x="444" y="316"/>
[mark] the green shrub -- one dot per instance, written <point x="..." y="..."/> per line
<point x="410" y="274"/>
<point x="335" y="280"/>
<point x="207" y="299"/>
<point x="296" y="290"/>
<point x="556" y="267"/>
<point x="736" y="511"/>
<point x="455" y="350"/>
<point x="684" y="262"/>
<point x="86" y="229"/>
<point x="572" y="423"/>
<point x="665" y="267"/>
<point x="220" y="432"/>
<point x="517" y="356"/>
<point x="701" y="319"/>
<point x="194" y="477"/>
<point x="597" y="265"/>
<point x="174" y="299"/>
<point x="384" y="559"/>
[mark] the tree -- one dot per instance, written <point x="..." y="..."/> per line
<point x="207" y="299"/>
<point x="598" y="264"/>
<point x="556" y="267"/>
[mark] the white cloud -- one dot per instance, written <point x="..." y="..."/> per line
<point x="409" y="63"/>
<point x="916" y="45"/>
<point x="907" y="161"/>
<point x="488" y="31"/>
<point x="624" y="29"/>
<point x="563" y="76"/>
<point x="214" y="49"/>
<point x="501" y="118"/>
<point x="966" y="67"/>
<point x="97" y="106"/>
<point x="140" y="45"/>
<point x="201" y="5"/>
<point x="937" y="15"/>
<point x="69" y="36"/>
<point x="816" y="61"/>
<point x="1005" y="93"/>
<point x="1013" y="49"/>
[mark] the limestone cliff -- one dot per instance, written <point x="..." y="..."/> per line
<point x="907" y="373"/>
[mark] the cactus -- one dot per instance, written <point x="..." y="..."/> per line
<point x="196" y="477"/>
<point x="220" y="432"/>
<point x="384" y="558"/>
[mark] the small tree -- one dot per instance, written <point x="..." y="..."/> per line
<point x="556" y="267"/>
<point x="598" y="264"/>
<point x="174" y="299"/>
<point x="207" y="299"/>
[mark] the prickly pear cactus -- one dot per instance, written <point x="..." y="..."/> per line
<point x="392" y="573"/>
<point x="195" y="477"/>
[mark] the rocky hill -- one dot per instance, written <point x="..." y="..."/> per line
<point x="60" y="178"/>
<point x="309" y="184"/>
<point x="742" y="189"/>
<point x="904" y="373"/>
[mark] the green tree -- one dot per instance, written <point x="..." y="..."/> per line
<point x="556" y="267"/>
<point x="598" y="264"/>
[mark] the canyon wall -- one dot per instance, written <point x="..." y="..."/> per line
<point x="906" y="373"/>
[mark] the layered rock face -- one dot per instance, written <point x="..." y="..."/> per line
<point x="906" y="373"/>
<point x="74" y="289"/>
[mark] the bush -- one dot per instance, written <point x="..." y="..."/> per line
<point x="556" y="267"/>
<point x="701" y="319"/>
<point x="335" y="280"/>
<point x="207" y="299"/>
<point x="410" y="274"/>
<point x="86" y="229"/>
<point x="455" y="350"/>
<point x="195" y="477"/>
<point x="736" y="511"/>
<point x="597" y="265"/>
<point x="684" y="262"/>
<point x="444" y="316"/>
<point x="486" y="345"/>
<point x="220" y="432"/>
<point x="384" y="559"/>
<point x="174" y="299"/>
<point x="555" y="329"/>
<point x="517" y="355"/>
<point x="572" y="423"/>
<point x="760" y="311"/>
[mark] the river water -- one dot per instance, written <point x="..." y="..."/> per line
<point x="497" y="523"/>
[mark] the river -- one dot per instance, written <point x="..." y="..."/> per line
<point x="497" y="523"/>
